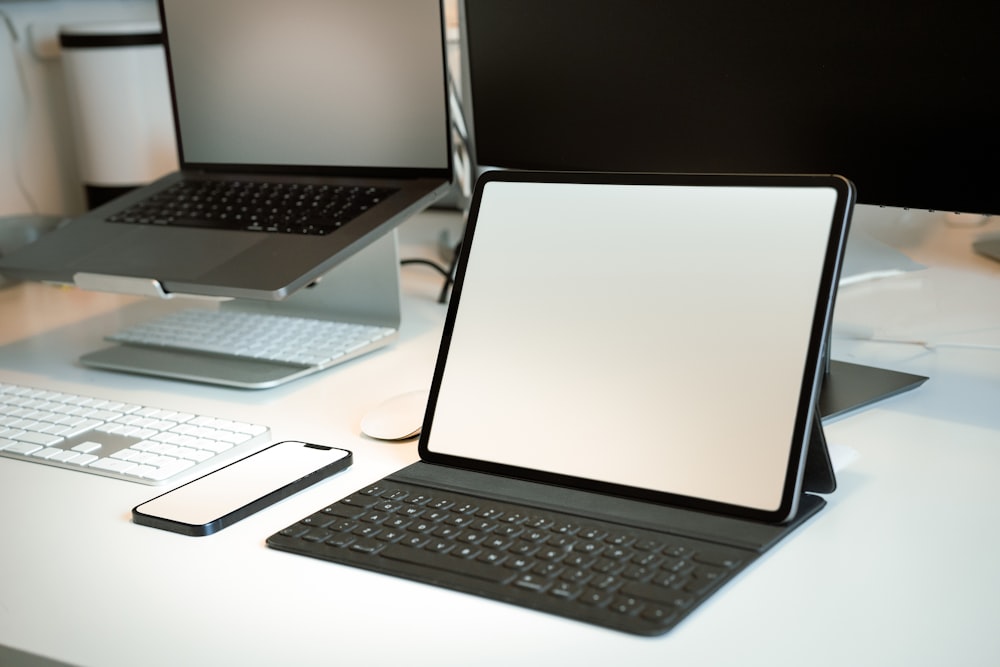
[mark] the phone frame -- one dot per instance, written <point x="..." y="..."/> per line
<point x="146" y="517"/>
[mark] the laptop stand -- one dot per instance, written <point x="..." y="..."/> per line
<point x="363" y="289"/>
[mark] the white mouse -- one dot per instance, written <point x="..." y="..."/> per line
<point x="397" y="418"/>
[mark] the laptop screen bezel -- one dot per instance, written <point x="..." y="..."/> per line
<point x="811" y="378"/>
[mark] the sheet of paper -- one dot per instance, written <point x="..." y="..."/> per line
<point x="867" y="259"/>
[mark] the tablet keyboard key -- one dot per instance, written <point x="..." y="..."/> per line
<point x="461" y="566"/>
<point x="658" y="594"/>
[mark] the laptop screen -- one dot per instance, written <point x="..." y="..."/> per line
<point x="653" y="336"/>
<point x="309" y="83"/>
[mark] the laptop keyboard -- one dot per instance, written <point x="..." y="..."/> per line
<point x="616" y="576"/>
<point x="300" y="341"/>
<point x="128" y="441"/>
<point x="289" y="208"/>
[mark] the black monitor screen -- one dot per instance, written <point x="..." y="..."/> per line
<point x="901" y="96"/>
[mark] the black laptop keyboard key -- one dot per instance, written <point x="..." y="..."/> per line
<point x="289" y="208"/>
<point x="626" y="578"/>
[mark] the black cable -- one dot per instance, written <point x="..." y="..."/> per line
<point x="448" y="273"/>
<point x="437" y="267"/>
<point x="443" y="296"/>
<point x="426" y="262"/>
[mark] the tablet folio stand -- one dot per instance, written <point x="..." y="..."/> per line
<point x="754" y="535"/>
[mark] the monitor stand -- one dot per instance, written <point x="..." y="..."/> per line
<point x="988" y="246"/>
<point x="363" y="289"/>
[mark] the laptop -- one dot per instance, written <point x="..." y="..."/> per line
<point x="623" y="411"/>
<point x="321" y="94"/>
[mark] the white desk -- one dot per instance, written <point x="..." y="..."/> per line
<point x="899" y="569"/>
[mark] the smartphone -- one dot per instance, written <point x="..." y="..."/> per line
<point x="234" y="492"/>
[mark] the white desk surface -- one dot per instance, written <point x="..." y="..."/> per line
<point x="899" y="569"/>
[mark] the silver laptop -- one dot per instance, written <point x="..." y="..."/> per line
<point x="325" y="95"/>
<point x="623" y="412"/>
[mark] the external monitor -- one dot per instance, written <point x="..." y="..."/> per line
<point x="900" y="97"/>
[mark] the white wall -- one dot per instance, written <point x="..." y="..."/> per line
<point x="38" y="172"/>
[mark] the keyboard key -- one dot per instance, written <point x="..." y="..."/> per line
<point x="534" y="583"/>
<point x="657" y="594"/>
<point x="25" y="448"/>
<point x="565" y="590"/>
<point x="87" y="447"/>
<point x="626" y="605"/>
<point x="65" y="455"/>
<point x="114" y="465"/>
<point x="39" y="438"/>
<point x="659" y="615"/>
<point x="47" y="453"/>
<point x="468" y="568"/>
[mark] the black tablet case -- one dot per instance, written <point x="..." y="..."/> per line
<point x="757" y="536"/>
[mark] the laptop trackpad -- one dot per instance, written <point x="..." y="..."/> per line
<point x="167" y="253"/>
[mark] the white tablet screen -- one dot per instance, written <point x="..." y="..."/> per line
<point x="651" y="336"/>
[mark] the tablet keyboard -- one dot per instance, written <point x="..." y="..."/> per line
<point x="127" y="441"/>
<point x="617" y="576"/>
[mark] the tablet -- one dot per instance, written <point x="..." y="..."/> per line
<point x="657" y="337"/>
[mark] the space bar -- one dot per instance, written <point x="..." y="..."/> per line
<point x="443" y="562"/>
<point x="208" y="224"/>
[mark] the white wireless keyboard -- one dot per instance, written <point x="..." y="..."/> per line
<point x="123" y="440"/>
<point x="265" y="337"/>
